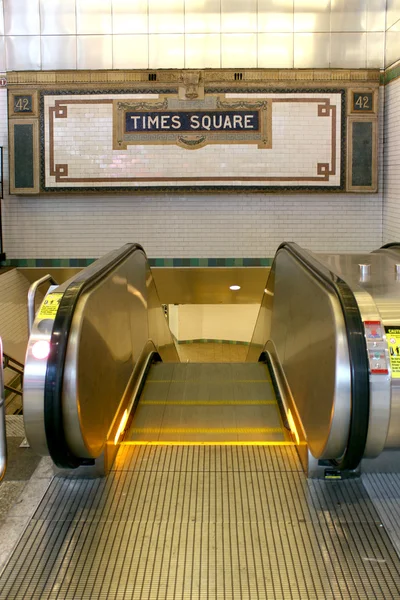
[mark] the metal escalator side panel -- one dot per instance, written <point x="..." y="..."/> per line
<point x="309" y="335"/>
<point x="95" y="340"/>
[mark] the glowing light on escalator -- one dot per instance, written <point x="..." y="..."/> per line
<point x="121" y="426"/>
<point x="234" y="288"/>
<point x="292" y="426"/>
<point x="41" y="349"/>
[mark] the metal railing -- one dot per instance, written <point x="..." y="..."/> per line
<point x="3" y="438"/>
<point x="18" y="368"/>
<point x="32" y="298"/>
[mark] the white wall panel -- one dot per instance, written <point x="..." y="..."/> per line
<point x="94" y="52"/>
<point x="238" y="50"/>
<point x="130" y="51"/>
<point x="166" y="51"/>
<point x="376" y="15"/>
<point x="21" y="17"/>
<point x="391" y="216"/>
<point x="392" y="52"/>
<point x="349" y="50"/>
<point x="393" y="12"/>
<point x="130" y="16"/>
<point x="312" y="15"/>
<point x="375" y="49"/>
<point x="203" y="51"/>
<point x="275" y="16"/>
<point x="57" y="17"/>
<point x="1" y="17"/>
<point x="166" y="17"/>
<point x="311" y="50"/>
<point x="58" y="52"/>
<point x="23" y="52"/>
<point x="348" y="15"/>
<point x="275" y="50"/>
<point x="238" y="16"/>
<point x="201" y="17"/>
<point x="2" y="54"/>
<point x="93" y="17"/>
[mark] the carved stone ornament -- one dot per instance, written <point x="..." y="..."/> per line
<point x="192" y="84"/>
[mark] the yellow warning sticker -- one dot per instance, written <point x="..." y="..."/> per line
<point x="49" y="307"/>
<point x="393" y="340"/>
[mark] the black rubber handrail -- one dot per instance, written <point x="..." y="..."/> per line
<point x="390" y="245"/>
<point x="53" y="418"/>
<point x="359" y="367"/>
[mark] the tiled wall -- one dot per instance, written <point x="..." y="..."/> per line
<point x="298" y="143"/>
<point x="392" y="45"/>
<point x="121" y="34"/>
<point x="177" y="225"/>
<point x="13" y="313"/>
<point x="391" y="222"/>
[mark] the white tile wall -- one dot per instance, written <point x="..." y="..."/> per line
<point x="196" y="225"/>
<point x="391" y="218"/>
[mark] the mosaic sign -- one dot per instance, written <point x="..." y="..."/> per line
<point x="211" y="121"/>
<point x="243" y="140"/>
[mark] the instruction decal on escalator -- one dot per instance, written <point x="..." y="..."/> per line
<point x="49" y="307"/>
<point x="393" y="340"/>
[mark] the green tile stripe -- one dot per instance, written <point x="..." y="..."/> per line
<point x="154" y="262"/>
<point x="392" y="73"/>
<point x="207" y="341"/>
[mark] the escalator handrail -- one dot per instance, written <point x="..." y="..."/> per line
<point x="53" y="418"/>
<point x="390" y="245"/>
<point x="359" y="368"/>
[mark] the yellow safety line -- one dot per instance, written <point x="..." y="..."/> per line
<point x="233" y="443"/>
<point x="209" y="381"/>
<point x="208" y="402"/>
<point x="185" y="430"/>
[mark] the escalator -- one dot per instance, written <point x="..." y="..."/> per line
<point x="218" y="480"/>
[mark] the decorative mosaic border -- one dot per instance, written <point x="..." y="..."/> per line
<point x="154" y="262"/>
<point x="196" y="188"/>
<point x="391" y="73"/>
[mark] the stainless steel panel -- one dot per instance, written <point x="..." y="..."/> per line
<point x="275" y="16"/>
<point x="392" y="52"/>
<point x="57" y="17"/>
<point x="238" y="50"/>
<point x="312" y="50"/>
<point x="305" y="323"/>
<point x="166" y="17"/>
<point x="130" y="51"/>
<point x="202" y="51"/>
<point x="312" y="15"/>
<point x="275" y="50"/>
<point x="166" y="51"/>
<point x="238" y="16"/>
<point x="111" y="325"/>
<point x="383" y="289"/>
<point x="21" y="17"/>
<point x="376" y="15"/>
<point x="202" y="17"/>
<point x="376" y="50"/>
<point x="93" y="16"/>
<point x="348" y="16"/>
<point x="23" y="52"/>
<point x="392" y="12"/>
<point x="94" y="52"/>
<point x="58" y="52"/>
<point x="130" y="17"/>
<point x="349" y="50"/>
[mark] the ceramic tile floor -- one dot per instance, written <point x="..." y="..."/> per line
<point x="212" y="352"/>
